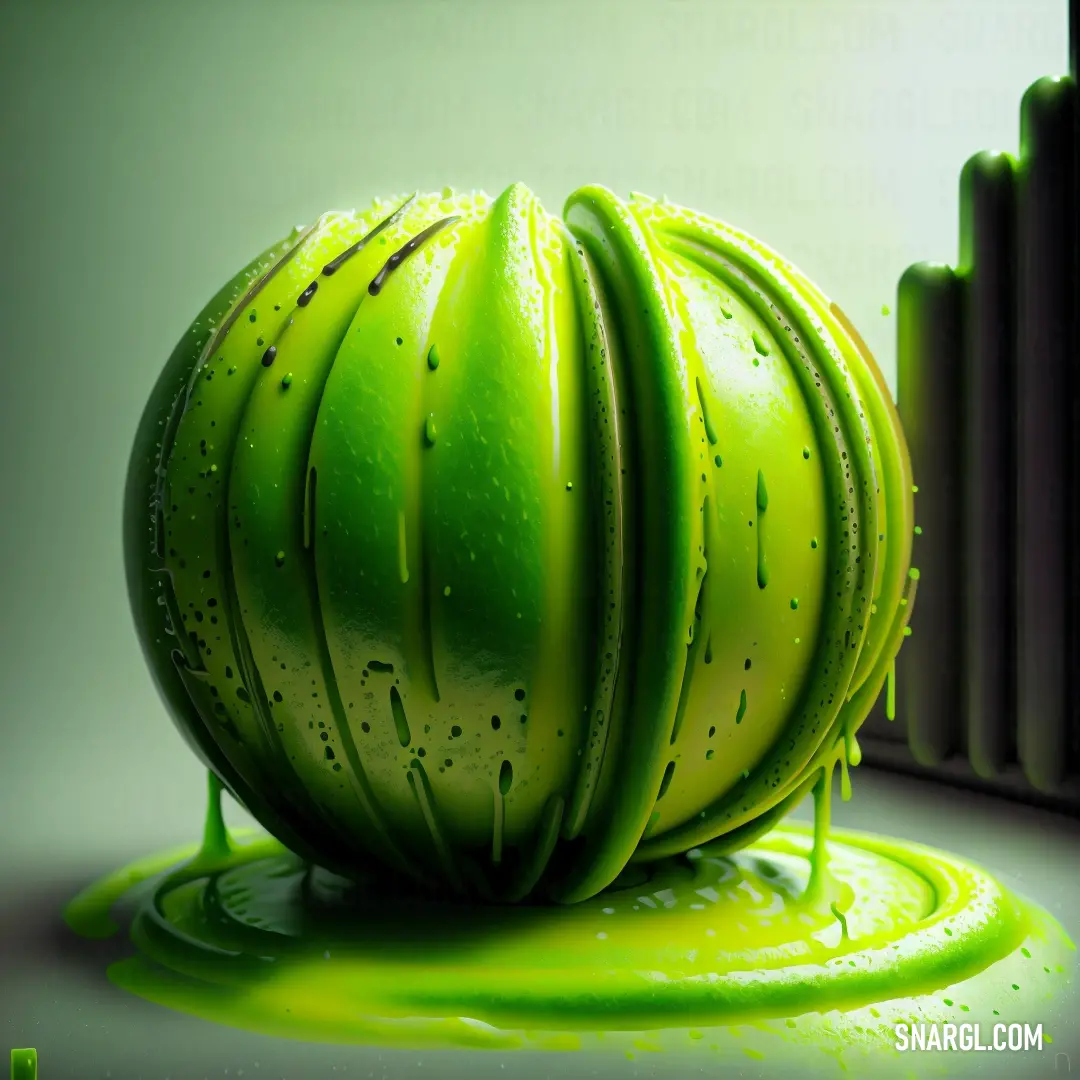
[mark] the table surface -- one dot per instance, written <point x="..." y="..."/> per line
<point x="54" y="995"/>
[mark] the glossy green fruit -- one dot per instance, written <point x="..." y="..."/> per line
<point x="499" y="549"/>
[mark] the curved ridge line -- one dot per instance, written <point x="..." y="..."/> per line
<point x="410" y="247"/>
<point x="257" y="770"/>
<point x="700" y="619"/>
<point x="359" y="783"/>
<point x="771" y="292"/>
<point x="193" y="658"/>
<point x="762" y="291"/>
<point x="898" y="495"/>
<point x="762" y="273"/>
<point x="426" y="604"/>
<point x="627" y="244"/>
<point x="336" y="263"/>
<point x="856" y="586"/>
<point x="698" y="253"/>
<point x="421" y="789"/>
<point x="357" y="777"/>
<point x="799" y="786"/>
<point x="276" y="767"/>
<point x="546" y="837"/>
<point x="227" y="324"/>
<point x="609" y="448"/>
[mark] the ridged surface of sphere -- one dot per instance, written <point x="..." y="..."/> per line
<point x="500" y="549"/>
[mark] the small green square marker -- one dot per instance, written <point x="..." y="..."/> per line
<point x="24" y="1064"/>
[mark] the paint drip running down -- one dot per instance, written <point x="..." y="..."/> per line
<point x="794" y="947"/>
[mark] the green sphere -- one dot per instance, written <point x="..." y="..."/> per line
<point x="498" y="550"/>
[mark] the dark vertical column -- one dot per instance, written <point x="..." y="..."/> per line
<point x="929" y="343"/>
<point x="1074" y="36"/>
<point x="1046" y="344"/>
<point x="1074" y="655"/>
<point x="987" y="400"/>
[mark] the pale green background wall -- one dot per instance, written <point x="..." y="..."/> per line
<point x="148" y="150"/>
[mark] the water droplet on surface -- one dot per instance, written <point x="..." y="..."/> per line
<point x="665" y="783"/>
<point x="506" y="776"/>
<point x="401" y="721"/>
<point x="762" y="505"/>
<point x="710" y="431"/>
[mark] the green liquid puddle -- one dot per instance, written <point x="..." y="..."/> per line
<point x="792" y="946"/>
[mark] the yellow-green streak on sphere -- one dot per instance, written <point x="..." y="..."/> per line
<point x="502" y="549"/>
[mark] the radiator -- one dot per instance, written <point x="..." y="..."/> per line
<point x="983" y="693"/>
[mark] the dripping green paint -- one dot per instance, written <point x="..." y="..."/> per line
<point x="240" y="931"/>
